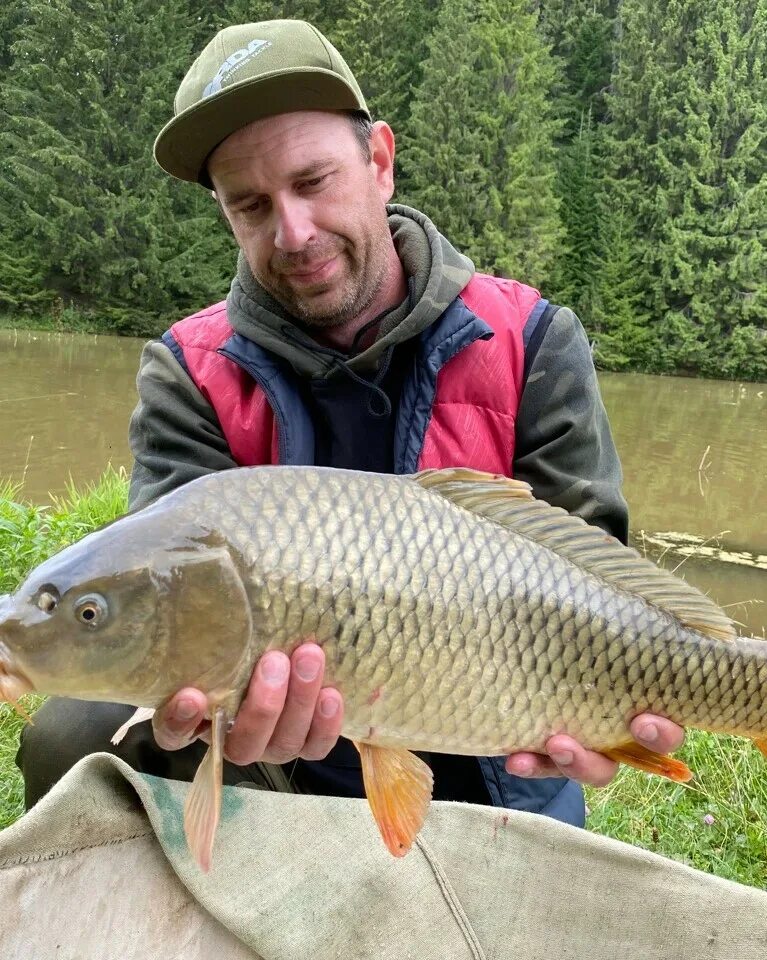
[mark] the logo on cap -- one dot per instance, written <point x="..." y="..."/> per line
<point x="233" y="63"/>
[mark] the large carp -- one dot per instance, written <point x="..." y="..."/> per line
<point x="457" y="614"/>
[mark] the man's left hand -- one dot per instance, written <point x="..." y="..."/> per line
<point x="565" y="757"/>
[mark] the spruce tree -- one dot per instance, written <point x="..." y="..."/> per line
<point x="578" y="185"/>
<point x="385" y="45"/>
<point x="93" y="81"/>
<point x="479" y="155"/>
<point x="616" y="319"/>
<point x="21" y="272"/>
<point x="580" y="34"/>
<point x="687" y="152"/>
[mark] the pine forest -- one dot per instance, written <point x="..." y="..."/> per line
<point x="612" y="153"/>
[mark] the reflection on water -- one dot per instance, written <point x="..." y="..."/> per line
<point x="693" y="451"/>
<point x="65" y="400"/>
<point x="695" y="476"/>
<point x="694" y="455"/>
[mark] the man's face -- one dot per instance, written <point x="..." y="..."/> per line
<point x="308" y="211"/>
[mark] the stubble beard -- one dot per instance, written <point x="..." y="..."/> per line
<point x="364" y="281"/>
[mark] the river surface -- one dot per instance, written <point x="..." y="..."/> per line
<point x="694" y="452"/>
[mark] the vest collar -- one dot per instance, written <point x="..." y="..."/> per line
<point x="456" y="328"/>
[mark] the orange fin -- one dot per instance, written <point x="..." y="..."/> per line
<point x="398" y="786"/>
<point x="203" y="802"/>
<point x="637" y="756"/>
<point x="21" y="711"/>
<point x="761" y="744"/>
<point x="141" y="714"/>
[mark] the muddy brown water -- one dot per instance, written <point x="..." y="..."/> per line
<point x="694" y="452"/>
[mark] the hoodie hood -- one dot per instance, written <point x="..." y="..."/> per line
<point x="436" y="273"/>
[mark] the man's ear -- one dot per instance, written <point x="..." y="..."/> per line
<point x="382" y="158"/>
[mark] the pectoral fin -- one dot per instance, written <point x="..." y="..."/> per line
<point x="141" y="714"/>
<point x="637" y="756"/>
<point x="203" y="802"/>
<point x="398" y="786"/>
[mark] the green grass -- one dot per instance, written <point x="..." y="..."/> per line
<point x="105" y="321"/>
<point x="67" y="321"/>
<point x="28" y="535"/>
<point x="730" y="782"/>
<point x="675" y="820"/>
<point x="11" y="783"/>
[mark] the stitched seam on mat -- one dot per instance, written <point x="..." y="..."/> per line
<point x="454" y="904"/>
<point x="58" y="854"/>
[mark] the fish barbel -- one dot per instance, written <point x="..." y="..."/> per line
<point x="457" y="614"/>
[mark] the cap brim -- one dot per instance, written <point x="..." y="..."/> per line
<point x="184" y="144"/>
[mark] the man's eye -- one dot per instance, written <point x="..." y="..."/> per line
<point x="315" y="182"/>
<point x="254" y="206"/>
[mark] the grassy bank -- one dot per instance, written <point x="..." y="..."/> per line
<point x="67" y="321"/>
<point x="716" y="823"/>
<point x="28" y="535"/>
<point x="118" y="323"/>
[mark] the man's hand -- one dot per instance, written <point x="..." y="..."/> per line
<point x="286" y="712"/>
<point x="565" y="757"/>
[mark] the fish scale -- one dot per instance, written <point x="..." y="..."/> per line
<point x="457" y="615"/>
<point x="398" y="557"/>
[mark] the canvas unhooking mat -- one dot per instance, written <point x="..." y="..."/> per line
<point x="99" y="871"/>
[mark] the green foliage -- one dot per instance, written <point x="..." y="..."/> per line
<point x="612" y="153"/>
<point x="386" y="46"/>
<point x="618" y="319"/>
<point x="11" y="781"/>
<point x="30" y="534"/>
<point x="580" y="33"/>
<point x="578" y="184"/>
<point x="715" y="823"/>
<point x="686" y="149"/>
<point x="479" y="157"/>
<point x="85" y="98"/>
<point x="23" y="278"/>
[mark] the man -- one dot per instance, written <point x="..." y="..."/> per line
<point x="355" y="336"/>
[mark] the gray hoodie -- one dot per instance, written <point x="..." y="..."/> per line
<point x="564" y="448"/>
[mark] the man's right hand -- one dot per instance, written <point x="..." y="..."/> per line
<point x="286" y="713"/>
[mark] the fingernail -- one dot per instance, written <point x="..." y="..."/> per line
<point x="562" y="759"/>
<point x="649" y="733"/>
<point x="307" y="668"/>
<point x="522" y="768"/>
<point x="275" y="669"/>
<point x="185" y="709"/>
<point x="329" y="707"/>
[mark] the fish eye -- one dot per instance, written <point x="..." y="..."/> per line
<point x="47" y="601"/>
<point x="90" y="610"/>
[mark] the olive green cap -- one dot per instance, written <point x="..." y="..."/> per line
<point x="247" y="72"/>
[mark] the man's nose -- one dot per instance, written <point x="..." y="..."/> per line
<point x="294" y="227"/>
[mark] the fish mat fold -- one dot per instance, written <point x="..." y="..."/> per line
<point x="99" y="869"/>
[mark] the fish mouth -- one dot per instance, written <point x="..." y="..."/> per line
<point x="13" y="683"/>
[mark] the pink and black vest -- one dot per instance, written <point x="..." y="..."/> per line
<point x="459" y="407"/>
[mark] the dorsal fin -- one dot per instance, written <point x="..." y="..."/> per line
<point x="511" y="504"/>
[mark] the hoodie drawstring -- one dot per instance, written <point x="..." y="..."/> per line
<point x="381" y="408"/>
<point x="377" y="393"/>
